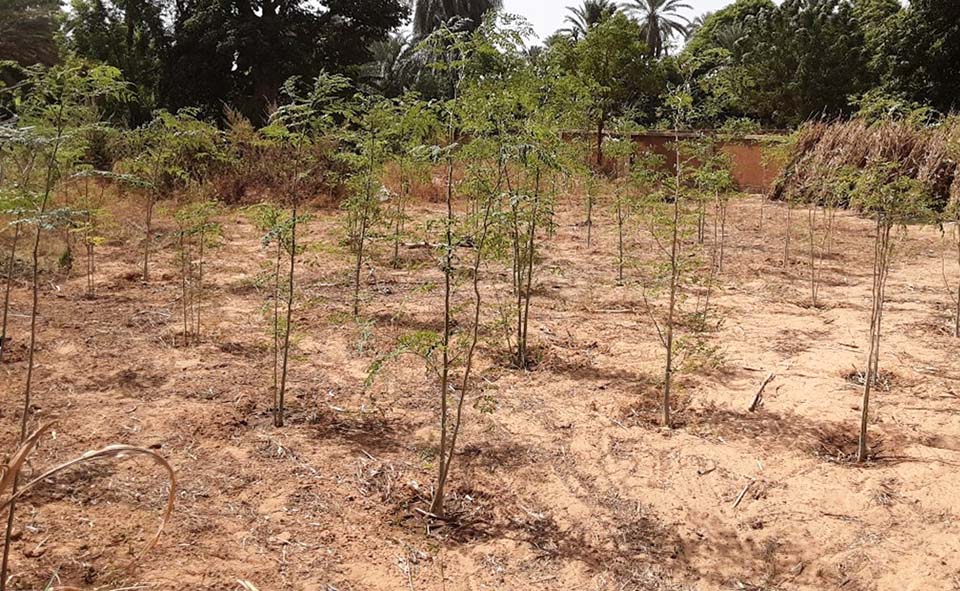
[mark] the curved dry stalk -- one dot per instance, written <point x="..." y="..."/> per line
<point x="120" y="451"/>
<point x="9" y="471"/>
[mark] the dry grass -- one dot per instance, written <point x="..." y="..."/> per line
<point x="822" y="151"/>
<point x="10" y="471"/>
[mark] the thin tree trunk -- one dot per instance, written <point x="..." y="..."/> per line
<point x="199" y="300"/>
<point x="358" y="267"/>
<point x="184" y="263"/>
<point x="619" y="242"/>
<point x="620" y="220"/>
<point x="763" y="195"/>
<point x="8" y="285"/>
<point x="674" y="267"/>
<point x="278" y="417"/>
<point x="90" y="289"/>
<point x="276" y="325"/>
<point x="474" y="338"/>
<point x="398" y="223"/>
<point x="600" y="123"/>
<point x="812" y="220"/>
<point x="147" y="238"/>
<point x="956" y="316"/>
<point x="723" y="235"/>
<point x="34" y="309"/>
<point x="364" y="222"/>
<point x="668" y="371"/>
<point x="531" y="254"/>
<point x="590" y="190"/>
<point x="786" y="240"/>
<point x="437" y="506"/>
<point x="91" y="264"/>
<point x="701" y="221"/>
<point x="294" y="199"/>
<point x="881" y="265"/>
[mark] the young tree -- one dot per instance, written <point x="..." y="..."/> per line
<point x="893" y="199"/>
<point x="773" y="156"/>
<point x="89" y="216"/>
<point x="621" y="152"/>
<point x="277" y="227"/>
<point x="668" y="229"/>
<point x="714" y="182"/>
<point x="370" y="152"/>
<point x="198" y="230"/>
<point x="500" y="139"/>
<point x="413" y="125"/>
<point x="18" y="161"/>
<point x="55" y="102"/>
<point x="165" y="155"/>
<point x="302" y="127"/>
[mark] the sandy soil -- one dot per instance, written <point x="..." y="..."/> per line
<point x="563" y="480"/>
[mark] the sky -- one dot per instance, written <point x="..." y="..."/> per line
<point x="546" y="16"/>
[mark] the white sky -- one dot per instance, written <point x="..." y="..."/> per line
<point x="547" y="16"/>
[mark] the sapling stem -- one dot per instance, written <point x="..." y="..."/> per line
<point x="34" y="309"/>
<point x="8" y="285"/>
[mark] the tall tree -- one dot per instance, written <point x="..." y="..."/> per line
<point x="741" y="13"/>
<point x="208" y="53"/>
<point x="428" y="15"/>
<point x="613" y="63"/>
<point x="807" y="59"/>
<point x="582" y="18"/>
<point x="128" y="34"/>
<point x="695" y="25"/>
<point x="924" y="64"/>
<point x="878" y="19"/>
<point x="27" y="29"/>
<point x="713" y="57"/>
<point x="659" y="20"/>
<point x="781" y="64"/>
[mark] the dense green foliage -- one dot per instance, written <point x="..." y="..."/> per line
<point x="207" y="53"/>
<point x="778" y="64"/>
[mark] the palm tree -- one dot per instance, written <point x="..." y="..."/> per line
<point x="729" y="36"/>
<point x="659" y="21"/>
<point x="695" y="25"/>
<point x="428" y="15"/>
<point x="394" y="67"/>
<point x="582" y="18"/>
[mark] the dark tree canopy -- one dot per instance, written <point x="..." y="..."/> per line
<point x="208" y="53"/>
<point x="27" y="31"/>
<point x="428" y="15"/>
<point x="777" y="62"/>
<point x="924" y="59"/>
<point x="781" y="64"/>
<point x="130" y="36"/>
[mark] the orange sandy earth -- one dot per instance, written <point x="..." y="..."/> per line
<point x="566" y="484"/>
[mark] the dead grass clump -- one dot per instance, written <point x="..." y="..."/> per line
<point x="824" y="153"/>
<point x="884" y="380"/>
<point x="839" y="446"/>
<point x="374" y="476"/>
<point x="10" y="474"/>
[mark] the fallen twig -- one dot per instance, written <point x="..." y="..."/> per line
<point x="741" y="495"/>
<point x="758" y="397"/>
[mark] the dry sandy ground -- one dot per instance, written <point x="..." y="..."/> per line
<point x="563" y="481"/>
